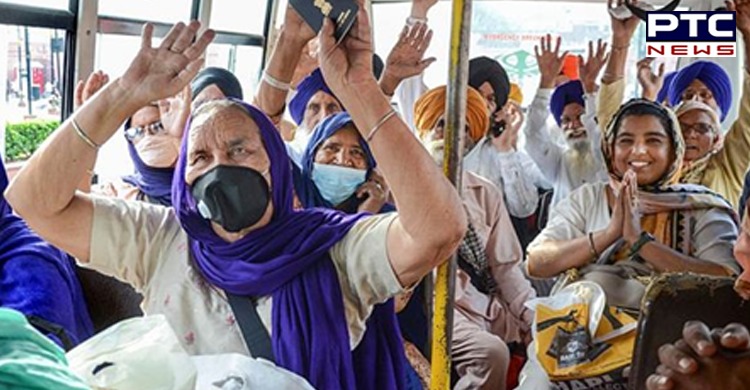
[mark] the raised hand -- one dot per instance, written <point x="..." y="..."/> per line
<point x="513" y="117"/>
<point x="160" y="72"/>
<point x="622" y="30"/>
<point x="406" y="58"/>
<point x="295" y="28"/>
<point x="742" y="9"/>
<point x="348" y="64"/>
<point x="550" y="61"/>
<point x="86" y="90"/>
<point x="650" y="82"/>
<point x="590" y="68"/>
<point x="174" y="112"/>
<point x="419" y="8"/>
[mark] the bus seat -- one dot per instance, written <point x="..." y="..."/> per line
<point x="669" y="302"/>
<point x="109" y="300"/>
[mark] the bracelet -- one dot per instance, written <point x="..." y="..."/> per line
<point x="643" y="239"/>
<point x="412" y="20"/>
<point x="620" y="47"/>
<point x="594" y="253"/>
<point x="380" y="124"/>
<point x="273" y="82"/>
<point x="82" y="135"/>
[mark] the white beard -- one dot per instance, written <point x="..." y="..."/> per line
<point x="578" y="156"/>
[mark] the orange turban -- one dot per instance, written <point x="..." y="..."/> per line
<point x="430" y="107"/>
<point x="515" y="95"/>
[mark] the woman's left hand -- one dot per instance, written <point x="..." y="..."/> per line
<point x="631" y="228"/>
<point x="376" y="196"/>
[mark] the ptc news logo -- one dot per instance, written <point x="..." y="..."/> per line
<point x="691" y="34"/>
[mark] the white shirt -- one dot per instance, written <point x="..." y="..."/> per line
<point x="145" y="246"/>
<point x="515" y="173"/>
<point x="559" y="164"/>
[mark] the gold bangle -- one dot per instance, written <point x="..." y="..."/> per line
<point x="380" y="124"/>
<point x="82" y="135"/>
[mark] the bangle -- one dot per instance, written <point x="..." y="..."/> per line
<point x="643" y="239"/>
<point x="412" y="20"/>
<point x="82" y="135"/>
<point x="620" y="47"/>
<point x="594" y="253"/>
<point x="273" y="82"/>
<point x="380" y="123"/>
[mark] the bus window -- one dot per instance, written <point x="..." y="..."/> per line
<point x="507" y="31"/>
<point x="170" y="11"/>
<point x="224" y="17"/>
<point x="56" y="4"/>
<point x="31" y="80"/>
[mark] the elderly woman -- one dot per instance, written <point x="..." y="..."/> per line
<point x="641" y="213"/>
<point x="490" y="288"/>
<point x="154" y="133"/>
<point x="313" y="275"/>
<point x="39" y="280"/>
<point x="338" y="170"/>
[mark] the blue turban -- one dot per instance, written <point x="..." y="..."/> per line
<point x="709" y="73"/>
<point x="570" y="92"/>
<point x="305" y="91"/>
<point x="664" y="91"/>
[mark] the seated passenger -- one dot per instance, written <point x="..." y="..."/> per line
<point x="724" y="171"/>
<point x="216" y="245"/>
<point x="640" y="214"/>
<point x="39" y="280"/>
<point x="154" y="133"/>
<point x="338" y="170"/>
<point x="721" y="168"/>
<point x="491" y="289"/>
<point x="573" y="106"/>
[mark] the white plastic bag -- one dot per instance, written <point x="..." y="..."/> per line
<point x="136" y="354"/>
<point x="239" y="372"/>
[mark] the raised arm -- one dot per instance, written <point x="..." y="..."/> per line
<point x="431" y="221"/>
<point x="44" y="192"/>
<point x="272" y="91"/>
<point x="613" y="85"/>
<point x="540" y="147"/>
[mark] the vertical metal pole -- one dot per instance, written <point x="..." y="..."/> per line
<point x="455" y="120"/>
<point x="29" y="72"/>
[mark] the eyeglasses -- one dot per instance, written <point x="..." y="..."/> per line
<point x="700" y="128"/>
<point x="138" y="132"/>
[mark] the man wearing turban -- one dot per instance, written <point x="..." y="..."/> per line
<point x="497" y="159"/>
<point x="490" y="287"/>
<point x="573" y="106"/>
<point x="716" y="166"/>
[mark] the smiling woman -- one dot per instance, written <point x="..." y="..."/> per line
<point x="641" y="214"/>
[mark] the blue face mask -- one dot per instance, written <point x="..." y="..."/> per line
<point x="336" y="184"/>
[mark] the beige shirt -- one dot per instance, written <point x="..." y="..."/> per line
<point x="144" y="245"/>
<point x="503" y="313"/>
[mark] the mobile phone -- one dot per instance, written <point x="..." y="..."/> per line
<point x="497" y="128"/>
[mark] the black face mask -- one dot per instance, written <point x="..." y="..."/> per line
<point x="234" y="197"/>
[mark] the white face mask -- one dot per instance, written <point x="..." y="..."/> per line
<point x="336" y="184"/>
<point x="158" y="151"/>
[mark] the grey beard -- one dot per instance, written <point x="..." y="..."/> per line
<point x="580" y="147"/>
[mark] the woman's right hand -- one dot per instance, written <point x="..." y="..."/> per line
<point x="160" y="72"/>
<point x="619" y="194"/>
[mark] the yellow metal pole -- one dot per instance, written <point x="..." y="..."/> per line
<point x="455" y="119"/>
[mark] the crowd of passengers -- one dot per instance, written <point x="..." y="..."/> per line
<point x="318" y="206"/>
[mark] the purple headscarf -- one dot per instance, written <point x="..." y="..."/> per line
<point x="156" y="183"/>
<point x="288" y="259"/>
<point x="311" y="85"/>
<point x="570" y="92"/>
<point x="39" y="280"/>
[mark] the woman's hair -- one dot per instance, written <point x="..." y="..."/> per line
<point x="644" y="107"/>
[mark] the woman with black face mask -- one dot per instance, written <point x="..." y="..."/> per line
<point x="313" y="276"/>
